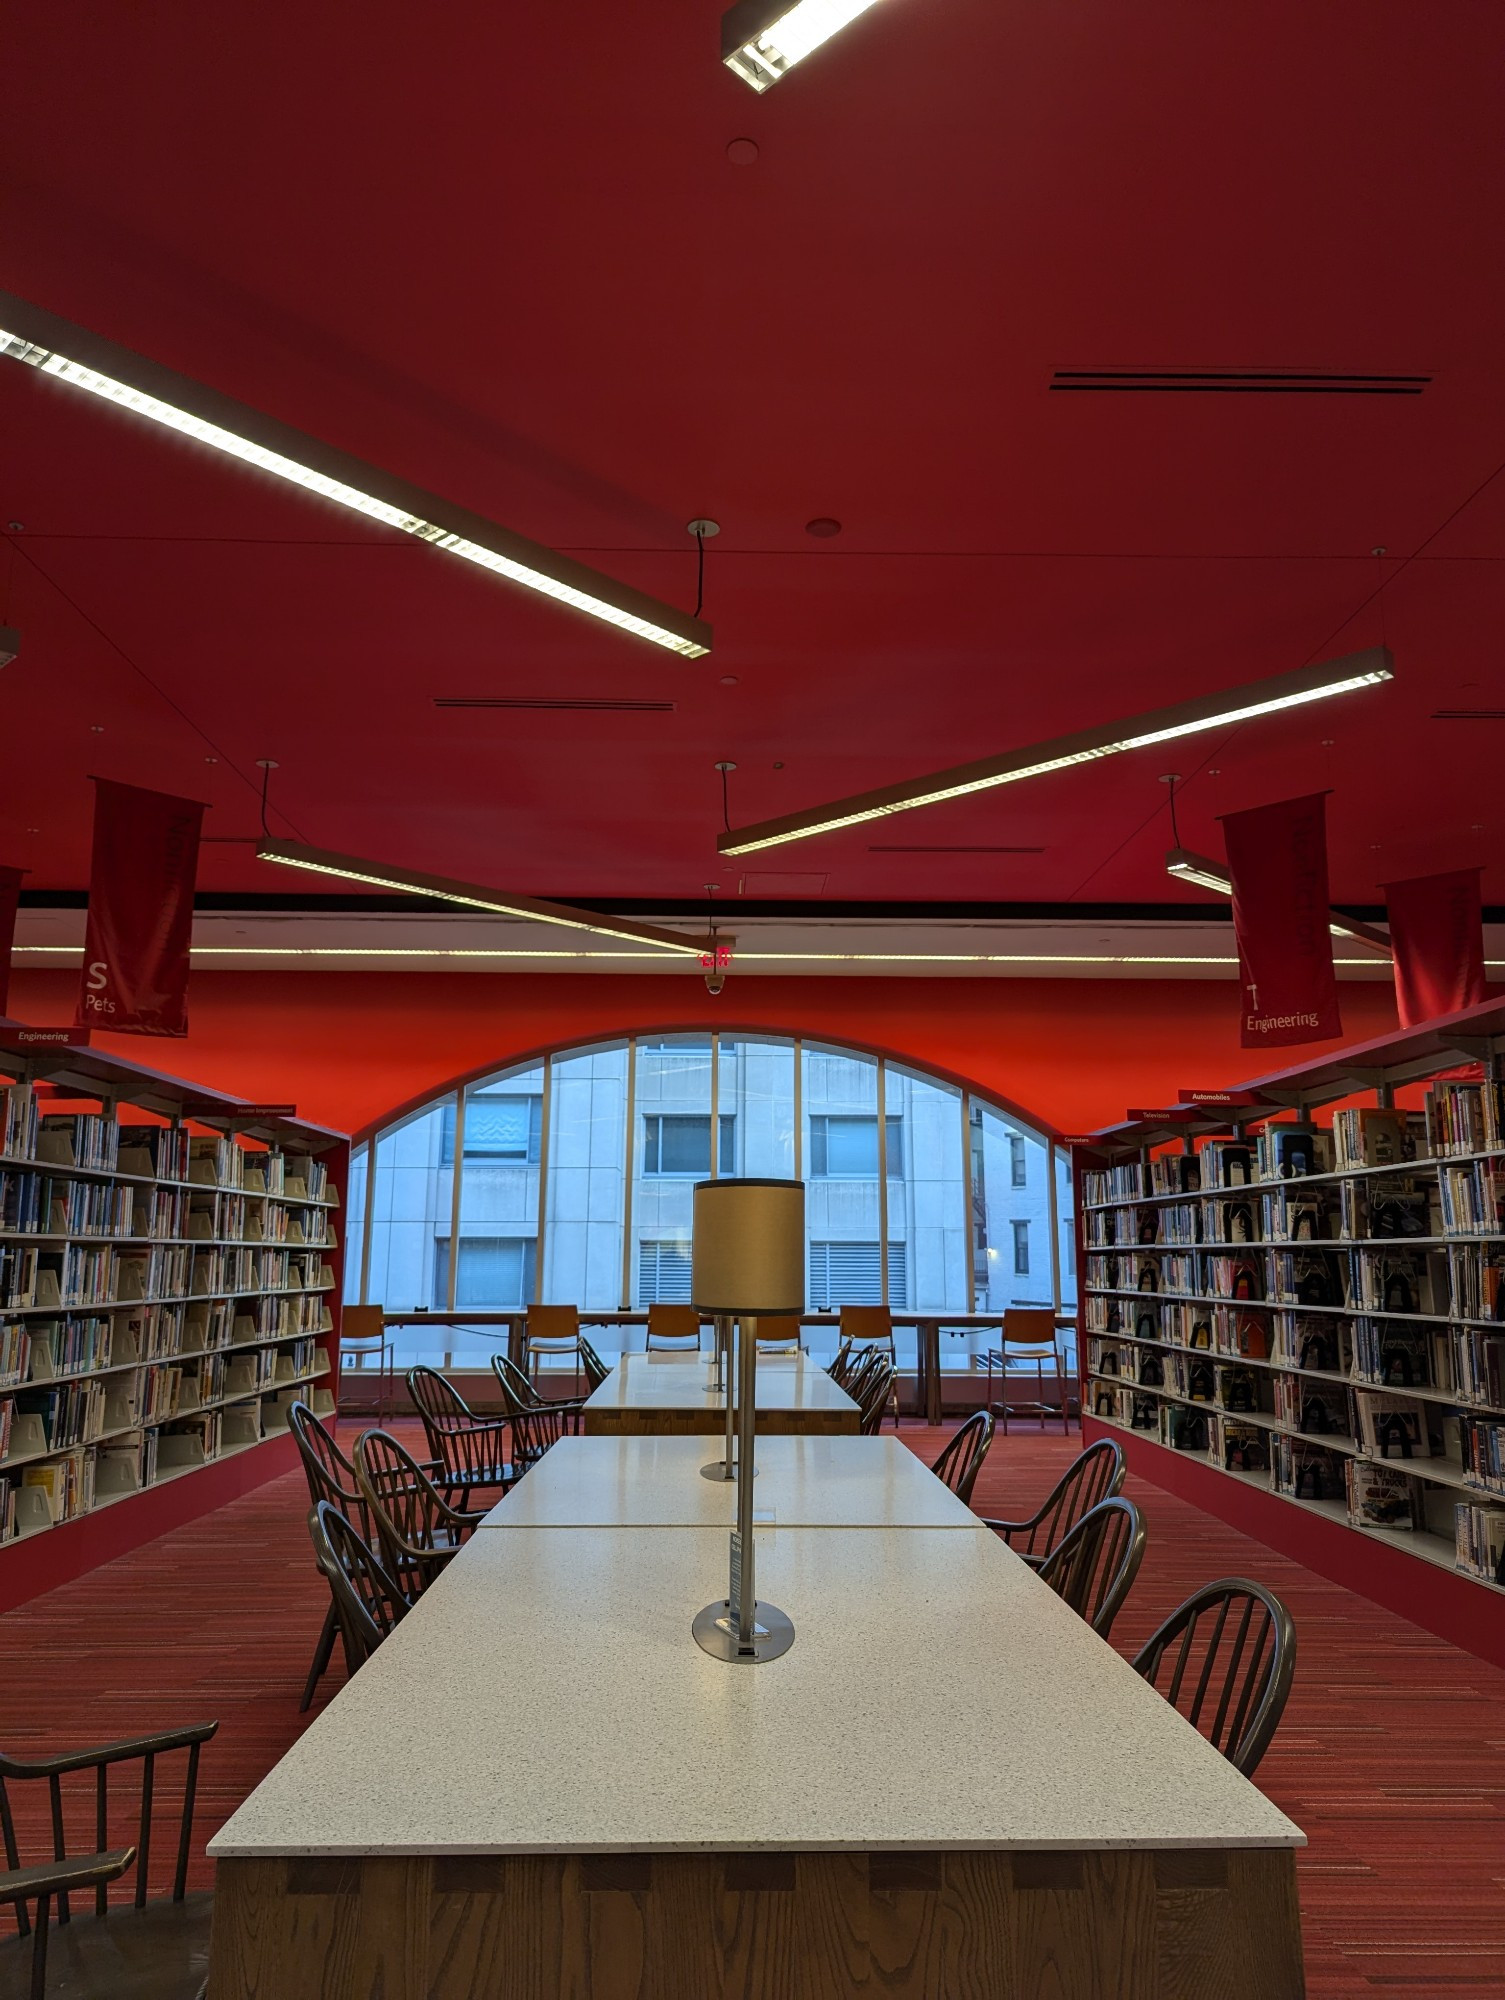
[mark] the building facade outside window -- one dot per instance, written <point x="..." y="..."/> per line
<point x="572" y="1181"/>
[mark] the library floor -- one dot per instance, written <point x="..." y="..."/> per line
<point x="1391" y="1756"/>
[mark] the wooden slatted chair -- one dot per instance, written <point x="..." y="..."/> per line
<point x="471" y="1451"/>
<point x="331" y="1476"/>
<point x="1093" y="1568"/>
<point x="1097" y="1474"/>
<point x="367" y="1600"/>
<point x="961" y="1460"/>
<point x="1225" y="1660"/>
<point x="594" y="1368"/>
<point x="868" y="1329"/>
<point x="151" y="1949"/>
<point x="420" y="1533"/>
<point x="876" y="1397"/>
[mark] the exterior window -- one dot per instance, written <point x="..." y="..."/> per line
<point x="1018" y="1164"/>
<point x="664" y="1271"/>
<point x="496" y="1272"/>
<point x="497" y="1128"/>
<point x="843" y="1148"/>
<point x="1021" y="1249"/>
<point x="848" y="1274"/>
<point x="680" y="1143"/>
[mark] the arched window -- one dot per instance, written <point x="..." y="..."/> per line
<point x="567" y="1180"/>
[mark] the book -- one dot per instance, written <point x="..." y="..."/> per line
<point x="1392" y="1427"/>
<point x="1380" y="1497"/>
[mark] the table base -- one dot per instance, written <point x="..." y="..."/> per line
<point x="1172" y="1924"/>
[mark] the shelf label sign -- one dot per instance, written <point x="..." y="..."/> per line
<point x="1277" y="857"/>
<point x="10" y="902"/>
<point x="1437" y="929"/>
<point x="141" y="875"/>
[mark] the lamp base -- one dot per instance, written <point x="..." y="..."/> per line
<point x="721" y="1472"/>
<point x="715" y="1632"/>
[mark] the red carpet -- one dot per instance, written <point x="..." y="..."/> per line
<point x="1391" y="1756"/>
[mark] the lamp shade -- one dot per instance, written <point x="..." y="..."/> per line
<point x="748" y="1255"/>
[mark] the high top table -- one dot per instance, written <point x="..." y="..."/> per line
<point x="654" y="1395"/>
<point x="540" y="1786"/>
<point x="803" y="1482"/>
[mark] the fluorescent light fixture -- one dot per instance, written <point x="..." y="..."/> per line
<point x="744" y="958"/>
<point x="87" y="361"/>
<point x="1208" y="874"/>
<point x="762" y="42"/>
<point x="350" y="868"/>
<point x="1211" y="711"/>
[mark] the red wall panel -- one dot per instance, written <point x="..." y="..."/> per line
<point x="350" y="1047"/>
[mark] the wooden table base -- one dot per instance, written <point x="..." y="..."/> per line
<point x="1178" y="1924"/>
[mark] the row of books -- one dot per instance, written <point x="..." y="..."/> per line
<point x="1472" y="1198"/>
<point x="1457" y="1117"/>
<point x="78" y="1139"/>
<point x="1483" y="1453"/>
<point x="1479" y="1536"/>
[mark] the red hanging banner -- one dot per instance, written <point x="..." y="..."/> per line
<point x="1437" y="930"/>
<point x="1277" y="857"/>
<point x="146" y="850"/>
<point x="10" y="902"/>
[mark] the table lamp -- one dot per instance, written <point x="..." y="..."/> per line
<point x="747" y="1261"/>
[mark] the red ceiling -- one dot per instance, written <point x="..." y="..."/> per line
<point x="502" y="251"/>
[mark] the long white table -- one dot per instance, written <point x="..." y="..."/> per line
<point x="802" y="1482"/>
<point x="948" y="1787"/>
<point x="652" y="1395"/>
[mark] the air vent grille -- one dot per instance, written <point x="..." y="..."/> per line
<point x="571" y="704"/>
<point x="1230" y="382"/>
<point x="1468" y="714"/>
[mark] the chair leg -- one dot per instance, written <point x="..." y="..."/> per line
<point x="323" y="1654"/>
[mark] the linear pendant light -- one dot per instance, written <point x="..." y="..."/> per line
<point x="1210" y="711"/>
<point x="762" y="42"/>
<point x="1209" y="874"/>
<point x="88" y="361"/>
<point x="350" y="868"/>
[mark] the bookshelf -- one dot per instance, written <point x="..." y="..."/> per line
<point x="169" y="1286"/>
<point x="1294" y="1312"/>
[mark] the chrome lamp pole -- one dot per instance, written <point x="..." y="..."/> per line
<point x="748" y="1258"/>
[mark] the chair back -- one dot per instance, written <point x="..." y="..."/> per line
<point x="330" y="1474"/>
<point x="864" y="1325"/>
<point x="367" y="1602"/>
<point x="961" y="1461"/>
<point x="1030" y="1326"/>
<point x="869" y="1363"/>
<point x="558" y="1325"/>
<point x="673" y="1327"/>
<point x="418" y="1530"/>
<point x="1095" y="1474"/>
<point x="875" y="1397"/>
<point x="777" y="1331"/>
<point x="1094" y="1567"/>
<point x="593" y="1367"/>
<point x="841" y="1367"/>
<point x="363" y="1323"/>
<point x="471" y="1449"/>
<point x="536" y="1424"/>
<point x="1225" y="1660"/>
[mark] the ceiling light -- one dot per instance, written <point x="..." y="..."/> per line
<point x="1211" y="711"/>
<point x="87" y="361"/>
<point x="762" y="42"/>
<point x="10" y="644"/>
<point x="1209" y="874"/>
<point x="319" y="861"/>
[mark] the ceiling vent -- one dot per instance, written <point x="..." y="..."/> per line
<point x="1230" y="382"/>
<point x="956" y="850"/>
<point x="1468" y="714"/>
<point x="572" y="704"/>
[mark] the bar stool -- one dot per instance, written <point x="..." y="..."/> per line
<point x="866" y="1328"/>
<point x="552" y="1330"/>
<point x="363" y="1332"/>
<point x="1029" y="1335"/>
<point x="671" y="1327"/>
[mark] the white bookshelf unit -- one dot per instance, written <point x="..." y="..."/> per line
<point x="1298" y="1321"/>
<point x="169" y="1286"/>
